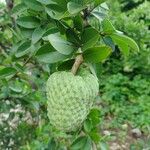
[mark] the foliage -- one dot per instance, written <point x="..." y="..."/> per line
<point x="40" y="37"/>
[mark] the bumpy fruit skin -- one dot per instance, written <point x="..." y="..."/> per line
<point x="70" y="98"/>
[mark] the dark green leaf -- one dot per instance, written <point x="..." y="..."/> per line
<point x="97" y="54"/>
<point x="28" y="22"/>
<point x="67" y="65"/>
<point x="34" y="5"/>
<point x="78" y="22"/>
<point x="60" y="44"/>
<point x="7" y="72"/>
<point x="89" y="37"/>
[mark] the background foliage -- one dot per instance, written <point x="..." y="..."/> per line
<point x="124" y="83"/>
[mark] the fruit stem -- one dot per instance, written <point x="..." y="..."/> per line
<point x="77" y="63"/>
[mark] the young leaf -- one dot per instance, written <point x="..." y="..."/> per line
<point x="37" y="34"/>
<point x="97" y="54"/>
<point x="89" y="38"/>
<point x="61" y="45"/>
<point x="29" y="22"/>
<point x="46" y="2"/>
<point x="120" y="38"/>
<point x="47" y="54"/>
<point x="34" y="5"/>
<point x="5" y="72"/>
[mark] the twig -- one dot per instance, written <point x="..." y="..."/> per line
<point x="77" y="63"/>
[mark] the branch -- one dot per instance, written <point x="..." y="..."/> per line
<point x="77" y="63"/>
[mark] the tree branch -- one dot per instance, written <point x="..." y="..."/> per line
<point x="76" y="65"/>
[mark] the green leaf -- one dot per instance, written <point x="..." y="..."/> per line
<point x="66" y="65"/>
<point x="120" y="38"/>
<point x="94" y="116"/>
<point x="46" y="2"/>
<point x="28" y="22"/>
<point x="88" y="125"/>
<point x="95" y="136"/>
<point x="78" y="22"/>
<point x="37" y="34"/>
<point x="82" y="143"/>
<point x="100" y="12"/>
<point x="103" y="146"/>
<point x="56" y="11"/>
<point x="89" y="38"/>
<point x="97" y="54"/>
<point x="19" y="8"/>
<point x="75" y="8"/>
<point x="107" y="26"/>
<point x="61" y="45"/>
<point x="47" y="54"/>
<point x="5" y="72"/>
<point x="23" y="49"/>
<point x="34" y="5"/>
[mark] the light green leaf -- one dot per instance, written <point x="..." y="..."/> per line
<point x="61" y="45"/>
<point x="107" y="26"/>
<point x="37" y="34"/>
<point x="34" y="5"/>
<point x="28" y="22"/>
<point x="5" y="72"/>
<point x="87" y="125"/>
<point x="97" y="54"/>
<point x="75" y="8"/>
<point x="89" y="38"/>
<point x="123" y="40"/>
<point x="47" y="54"/>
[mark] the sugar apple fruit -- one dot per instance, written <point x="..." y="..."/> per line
<point x="70" y="98"/>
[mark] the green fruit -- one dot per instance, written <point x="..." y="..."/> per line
<point x="70" y="98"/>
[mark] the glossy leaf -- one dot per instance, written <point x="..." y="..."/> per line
<point x="61" y="45"/>
<point x="28" y="22"/>
<point x="97" y="54"/>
